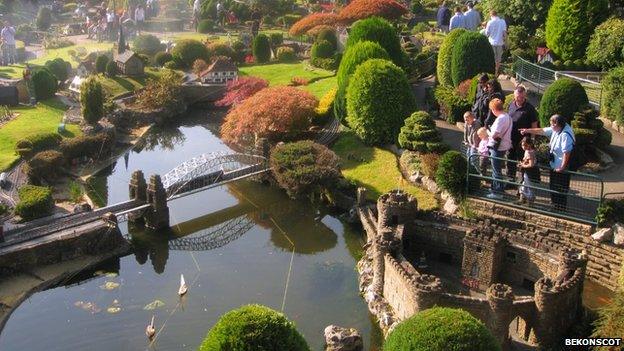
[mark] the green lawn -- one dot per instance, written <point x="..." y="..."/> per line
<point x="43" y="118"/>
<point x="282" y="73"/>
<point x="123" y="84"/>
<point x="376" y="169"/>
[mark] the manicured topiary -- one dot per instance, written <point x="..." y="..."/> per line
<point x="451" y="173"/>
<point x="162" y="57"/>
<point x="380" y="31"/>
<point x="59" y="67"/>
<point x="146" y="44"/>
<point x="378" y="101"/>
<point x="471" y="54"/>
<point x="111" y="69"/>
<point x="563" y="97"/>
<point x="613" y="95"/>
<point x="254" y="327"/>
<point x="44" y="165"/>
<point x="304" y="167"/>
<point x="261" y="48"/>
<point x="311" y="21"/>
<point x="35" y="202"/>
<point x="445" y="56"/>
<point x="91" y="100"/>
<point x="187" y="51"/>
<point x="359" y="9"/>
<point x="286" y="54"/>
<point x="352" y="58"/>
<point x="420" y="134"/>
<point x="588" y="129"/>
<point x="322" y="49"/>
<point x="328" y="34"/>
<point x="206" y="26"/>
<point x="100" y="63"/>
<point x="44" y="83"/>
<point x="44" y="19"/>
<point x="441" y="329"/>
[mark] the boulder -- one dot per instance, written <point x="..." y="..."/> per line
<point x="618" y="234"/>
<point x="342" y="339"/>
<point x="603" y="235"/>
<point x="450" y="206"/>
<point x="416" y="177"/>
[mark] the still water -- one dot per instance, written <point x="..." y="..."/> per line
<point x="289" y="255"/>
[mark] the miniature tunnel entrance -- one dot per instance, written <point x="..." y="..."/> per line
<point x="521" y="333"/>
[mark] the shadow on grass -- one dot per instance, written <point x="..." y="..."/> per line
<point x="124" y="82"/>
<point x="352" y="150"/>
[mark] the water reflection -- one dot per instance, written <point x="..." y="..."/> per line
<point x="152" y="245"/>
<point x="166" y="138"/>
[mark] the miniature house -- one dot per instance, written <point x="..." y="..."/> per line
<point x="220" y="72"/>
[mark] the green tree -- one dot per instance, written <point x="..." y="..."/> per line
<point x="352" y="58"/>
<point x="529" y="14"/>
<point x="445" y="56"/>
<point x="100" y="63"/>
<point x="187" y="51"/>
<point x="91" y="100"/>
<point x="146" y="44"/>
<point x="111" y="69"/>
<point x="328" y="34"/>
<point x="441" y="329"/>
<point x="565" y="96"/>
<point x="613" y="95"/>
<point x="380" y="31"/>
<point x="379" y="99"/>
<point x="420" y="134"/>
<point x="261" y="48"/>
<point x="44" y="83"/>
<point x="254" y="327"/>
<point x="59" y="67"/>
<point x="607" y="44"/>
<point x="472" y="54"/>
<point x="322" y="49"/>
<point x="44" y="19"/>
<point x="451" y="174"/>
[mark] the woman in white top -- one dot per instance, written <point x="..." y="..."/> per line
<point x="500" y="142"/>
<point x="139" y="18"/>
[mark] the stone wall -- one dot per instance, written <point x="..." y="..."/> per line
<point x="522" y="263"/>
<point x="438" y="241"/>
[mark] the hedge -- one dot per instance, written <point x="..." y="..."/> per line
<point x="187" y="51"/>
<point x="471" y="54"/>
<point x="44" y="165"/>
<point x="380" y="31"/>
<point x="564" y="96"/>
<point x="445" y="56"/>
<point x="35" y="201"/>
<point x="253" y="327"/>
<point x="613" y="95"/>
<point x="146" y="44"/>
<point x="261" y="48"/>
<point x="420" y="134"/>
<point x="322" y="49"/>
<point x="37" y="142"/>
<point x="452" y="106"/>
<point x="352" y="58"/>
<point x="44" y="83"/>
<point x="93" y="146"/>
<point x="451" y="174"/>
<point x="379" y="99"/>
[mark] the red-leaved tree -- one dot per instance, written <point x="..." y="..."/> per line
<point x="238" y="90"/>
<point x="359" y="9"/>
<point x="276" y="113"/>
<point x="312" y="20"/>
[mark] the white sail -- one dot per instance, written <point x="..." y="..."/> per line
<point x="183" y="287"/>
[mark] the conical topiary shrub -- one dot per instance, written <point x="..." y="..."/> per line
<point x="420" y="134"/>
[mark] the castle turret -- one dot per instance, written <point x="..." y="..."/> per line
<point x="500" y="298"/>
<point x="394" y="208"/>
<point x="427" y="289"/>
<point x="483" y="254"/>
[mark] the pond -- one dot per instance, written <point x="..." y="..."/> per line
<point x="250" y="244"/>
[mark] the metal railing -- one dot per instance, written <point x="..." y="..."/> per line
<point x="541" y="77"/>
<point x="579" y="203"/>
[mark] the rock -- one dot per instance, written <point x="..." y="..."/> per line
<point x="342" y="339"/>
<point x="450" y="206"/>
<point x="430" y="185"/>
<point x="618" y="234"/>
<point x="603" y="235"/>
<point x="445" y="195"/>
<point x="416" y="177"/>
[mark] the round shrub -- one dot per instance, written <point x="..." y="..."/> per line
<point x="44" y="19"/>
<point x="162" y="57"/>
<point x="111" y="69"/>
<point x="220" y="48"/>
<point x="276" y="39"/>
<point x="352" y="58"/>
<point x="254" y="327"/>
<point x="328" y="34"/>
<point x="286" y="54"/>
<point x="441" y="329"/>
<point x="44" y="83"/>
<point x="471" y="54"/>
<point x="206" y="26"/>
<point x="91" y="100"/>
<point x="322" y="49"/>
<point x="240" y="51"/>
<point x="35" y="202"/>
<point x="146" y="44"/>
<point x="563" y="97"/>
<point x="420" y="134"/>
<point x="44" y="165"/>
<point x="451" y="173"/>
<point x="187" y="51"/>
<point x="100" y="63"/>
<point x="304" y="167"/>
<point x="59" y="67"/>
<point x="445" y="56"/>
<point x="606" y="44"/>
<point x="380" y="31"/>
<point x="613" y="95"/>
<point x="378" y="101"/>
<point x="261" y="48"/>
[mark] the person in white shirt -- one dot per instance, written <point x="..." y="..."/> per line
<point x="472" y="18"/>
<point x="458" y="20"/>
<point x="196" y="12"/>
<point x="139" y="17"/>
<point x="496" y="31"/>
<point x="500" y="142"/>
<point x="9" y="55"/>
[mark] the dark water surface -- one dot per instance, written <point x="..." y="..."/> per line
<point x="240" y="255"/>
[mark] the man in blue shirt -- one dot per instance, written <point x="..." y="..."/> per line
<point x="458" y="20"/>
<point x="444" y="17"/>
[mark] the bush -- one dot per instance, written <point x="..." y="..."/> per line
<point x="219" y="48"/>
<point x="91" y="100"/>
<point x="429" y="164"/>
<point x="445" y="56"/>
<point x="239" y="90"/>
<point x="613" y="98"/>
<point x="261" y="48"/>
<point x="253" y="327"/>
<point x="111" y="69"/>
<point x="420" y="134"/>
<point x="441" y="329"/>
<point x="328" y="34"/>
<point x="324" y="110"/>
<point x="59" y="67"/>
<point x="352" y="58"/>
<point x="472" y="54"/>
<point x="240" y="51"/>
<point x="276" y="39"/>
<point x="44" y="19"/>
<point x="564" y="96"/>
<point x="360" y="9"/>
<point x="329" y="64"/>
<point x="322" y="49"/>
<point x="146" y="44"/>
<point x="529" y="14"/>
<point x="379" y="31"/>
<point x="100" y="63"/>
<point x="44" y="165"/>
<point x="187" y="51"/>
<point x="276" y="113"/>
<point x="606" y="44"/>
<point x="96" y="146"/>
<point x="311" y="21"/>
<point x="610" y="212"/>
<point x="286" y="54"/>
<point x="303" y="167"/>
<point x="206" y="26"/>
<point x="36" y="143"/>
<point x="162" y="57"/>
<point x="378" y="101"/>
<point x="44" y="84"/>
<point x="452" y="106"/>
<point x="161" y="93"/>
<point x="451" y="174"/>
<point x="35" y="202"/>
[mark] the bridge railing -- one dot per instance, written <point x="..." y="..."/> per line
<point x="582" y="200"/>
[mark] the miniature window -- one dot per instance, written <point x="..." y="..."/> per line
<point x="479" y="249"/>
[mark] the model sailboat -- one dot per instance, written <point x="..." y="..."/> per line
<point x="150" y="331"/>
<point x="183" y="287"/>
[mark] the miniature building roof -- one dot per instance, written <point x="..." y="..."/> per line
<point x="124" y="56"/>
<point x="221" y="65"/>
<point x="541" y="51"/>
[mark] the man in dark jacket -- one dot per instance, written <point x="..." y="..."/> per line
<point x="524" y="116"/>
<point x="444" y="17"/>
<point x="480" y="107"/>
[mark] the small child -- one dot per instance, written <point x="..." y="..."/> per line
<point x="529" y="168"/>
<point x="483" y="149"/>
